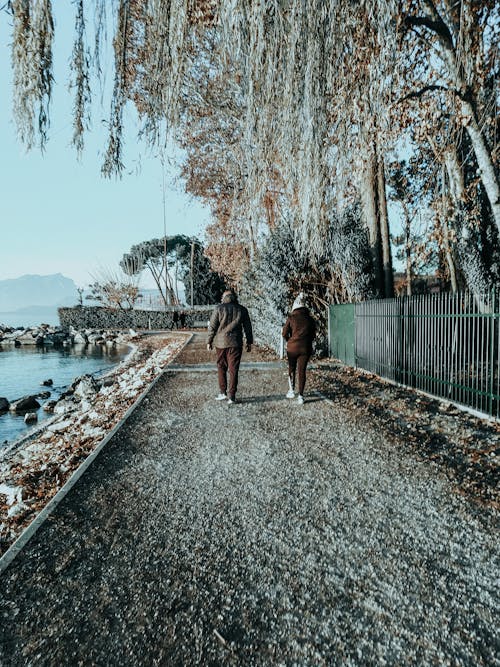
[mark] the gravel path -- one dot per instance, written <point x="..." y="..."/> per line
<point x="264" y="533"/>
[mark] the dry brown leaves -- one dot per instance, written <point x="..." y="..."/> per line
<point x="466" y="447"/>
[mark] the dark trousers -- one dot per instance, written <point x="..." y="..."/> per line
<point x="228" y="359"/>
<point x="298" y="362"/>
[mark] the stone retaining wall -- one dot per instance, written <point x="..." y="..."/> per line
<point x="96" y="317"/>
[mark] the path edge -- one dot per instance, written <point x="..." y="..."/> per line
<point x="18" y="545"/>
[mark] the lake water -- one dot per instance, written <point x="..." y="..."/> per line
<point x="23" y="369"/>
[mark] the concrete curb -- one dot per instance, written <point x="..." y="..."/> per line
<point x="18" y="545"/>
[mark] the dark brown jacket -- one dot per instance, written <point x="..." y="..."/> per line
<point x="299" y="331"/>
<point x="227" y="324"/>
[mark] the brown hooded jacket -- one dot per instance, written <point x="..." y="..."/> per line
<point x="228" y="322"/>
<point x="299" y="331"/>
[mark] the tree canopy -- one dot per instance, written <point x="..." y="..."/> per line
<point x="295" y="110"/>
<point x="173" y="259"/>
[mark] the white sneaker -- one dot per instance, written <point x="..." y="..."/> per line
<point x="221" y="397"/>
<point x="300" y="400"/>
<point x="230" y="401"/>
<point x="290" y="393"/>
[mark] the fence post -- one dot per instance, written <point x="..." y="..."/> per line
<point x="355" y="343"/>
<point x="328" y="314"/>
<point x="402" y="340"/>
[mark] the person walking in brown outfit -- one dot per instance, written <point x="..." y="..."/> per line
<point x="299" y="332"/>
<point x="228" y="322"/>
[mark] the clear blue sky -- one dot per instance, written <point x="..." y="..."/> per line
<point x="59" y="215"/>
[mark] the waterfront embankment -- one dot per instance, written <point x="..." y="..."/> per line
<point x="34" y="469"/>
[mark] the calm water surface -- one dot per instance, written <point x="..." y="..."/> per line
<point x="23" y="369"/>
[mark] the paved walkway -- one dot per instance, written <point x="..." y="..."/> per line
<point x="264" y="533"/>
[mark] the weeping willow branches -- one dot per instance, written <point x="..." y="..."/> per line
<point x="80" y="65"/>
<point x="289" y="61"/>
<point x="113" y="158"/>
<point x="291" y="105"/>
<point x="33" y="32"/>
<point x="311" y="77"/>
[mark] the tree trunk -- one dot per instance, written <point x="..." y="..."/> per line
<point x="252" y="243"/>
<point x="176" y="276"/>
<point x="449" y="257"/>
<point x="192" y="274"/>
<point x="484" y="161"/>
<point x="165" y="260"/>
<point x="446" y="233"/>
<point x="408" y="252"/>
<point x="157" y="278"/>
<point x="468" y="107"/>
<point x="384" y="230"/>
<point x="476" y="135"/>
<point x="369" y="203"/>
<point x="408" y="272"/>
<point x="471" y="263"/>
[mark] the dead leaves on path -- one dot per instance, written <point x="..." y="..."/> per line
<point x="465" y="447"/>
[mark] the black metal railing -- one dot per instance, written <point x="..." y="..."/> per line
<point x="447" y="345"/>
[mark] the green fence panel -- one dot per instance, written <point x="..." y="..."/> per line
<point x="446" y="345"/>
<point x="342" y="333"/>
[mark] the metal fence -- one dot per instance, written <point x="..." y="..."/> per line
<point x="447" y="345"/>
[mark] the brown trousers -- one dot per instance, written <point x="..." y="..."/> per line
<point x="298" y="362"/>
<point x="228" y="359"/>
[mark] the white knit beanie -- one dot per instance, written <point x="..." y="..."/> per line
<point x="299" y="302"/>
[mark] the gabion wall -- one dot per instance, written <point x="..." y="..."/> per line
<point x="95" y="317"/>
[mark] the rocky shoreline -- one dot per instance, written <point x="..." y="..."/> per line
<point x="35" y="467"/>
<point x="45" y="335"/>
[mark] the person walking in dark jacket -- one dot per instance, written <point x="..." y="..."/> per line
<point x="299" y="332"/>
<point x="228" y="323"/>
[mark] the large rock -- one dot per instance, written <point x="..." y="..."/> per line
<point x="81" y="339"/>
<point x="4" y="404"/>
<point x="30" y="417"/>
<point x="87" y="386"/>
<point x="47" y="383"/>
<point x="59" y="338"/>
<point x="49" y="406"/>
<point x="61" y="426"/>
<point x="69" y="391"/>
<point x="27" y="338"/>
<point x="24" y="404"/>
<point x="12" y="335"/>
<point x="63" y="406"/>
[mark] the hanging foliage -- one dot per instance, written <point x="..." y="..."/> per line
<point x="290" y="109"/>
<point x="80" y="70"/>
<point x="33" y="32"/>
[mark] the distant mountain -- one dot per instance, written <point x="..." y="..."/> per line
<point x="32" y="290"/>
